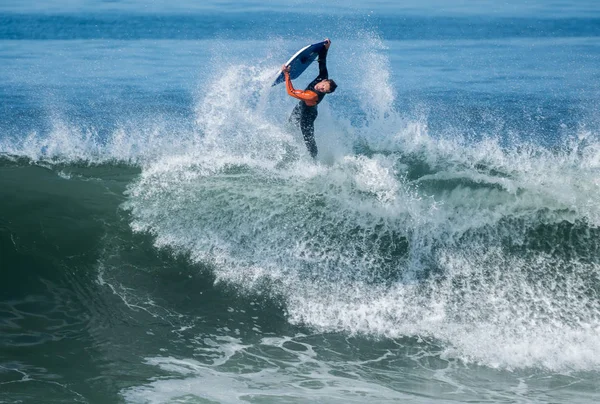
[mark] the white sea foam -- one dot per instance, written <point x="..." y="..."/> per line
<point x="297" y="375"/>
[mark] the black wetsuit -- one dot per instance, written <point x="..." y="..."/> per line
<point x="304" y="116"/>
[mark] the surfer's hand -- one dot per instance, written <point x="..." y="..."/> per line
<point x="327" y="43"/>
<point x="285" y="69"/>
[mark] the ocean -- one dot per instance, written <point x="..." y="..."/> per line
<point x="165" y="237"/>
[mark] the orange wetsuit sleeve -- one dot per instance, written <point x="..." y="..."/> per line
<point x="309" y="97"/>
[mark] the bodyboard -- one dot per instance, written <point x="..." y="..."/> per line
<point x="300" y="61"/>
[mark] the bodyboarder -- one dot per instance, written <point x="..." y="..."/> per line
<point x="305" y="113"/>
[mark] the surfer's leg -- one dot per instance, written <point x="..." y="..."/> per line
<point x="294" y="119"/>
<point x="309" y="139"/>
<point x="307" y="125"/>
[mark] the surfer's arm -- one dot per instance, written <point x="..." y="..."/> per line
<point x="309" y="97"/>
<point x="323" y="74"/>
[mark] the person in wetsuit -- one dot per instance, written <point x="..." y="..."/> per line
<point x="305" y="113"/>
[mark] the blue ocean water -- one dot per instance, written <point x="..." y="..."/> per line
<point x="166" y="238"/>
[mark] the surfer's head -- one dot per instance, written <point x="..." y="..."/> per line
<point x="326" y="86"/>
